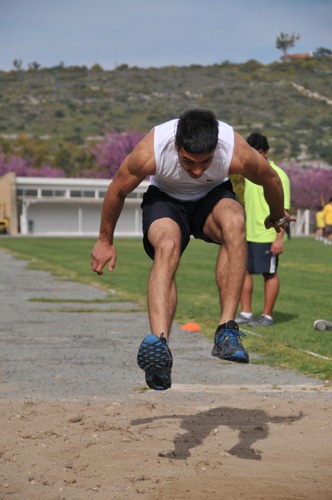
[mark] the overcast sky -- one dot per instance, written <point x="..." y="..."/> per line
<point x="156" y="33"/>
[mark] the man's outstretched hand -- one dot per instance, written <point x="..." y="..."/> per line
<point x="102" y="253"/>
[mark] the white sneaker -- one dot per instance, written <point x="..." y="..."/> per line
<point x="261" y="321"/>
<point x="322" y="325"/>
<point x="241" y="319"/>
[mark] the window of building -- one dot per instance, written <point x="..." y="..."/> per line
<point x="59" y="192"/>
<point x="135" y="195"/>
<point x="47" y="192"/>
<point x="27" y="192"/>
<point x="89" y="194"/>
<point x="75" y="193"/>
<point x="52" y="193"/>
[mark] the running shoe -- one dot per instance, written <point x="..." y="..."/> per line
<point x="155" y="358"/>
<point x="241" y="319"/>
<point x="322" y="325"/>
<point x="227" y="343"/>
<point x="261" y="321"/>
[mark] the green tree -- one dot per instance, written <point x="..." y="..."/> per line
<point x="285" y="41"/>
<point x="322" y="52"/>
<point x="63" y="159"/>
<point x="33" y="66"/>
<point x="17" y="63"/>
<point x="96" y="68"/>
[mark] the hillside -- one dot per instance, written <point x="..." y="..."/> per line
<point x="289" y="102"/>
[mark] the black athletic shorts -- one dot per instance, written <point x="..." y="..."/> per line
<point x="260" y="259"/>
<point x="189" y="215"/>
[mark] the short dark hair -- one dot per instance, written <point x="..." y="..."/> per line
<point x="258" y="141"/>
<point x="197" y="131"/>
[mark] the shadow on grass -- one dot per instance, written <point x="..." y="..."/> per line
<point x="282" y="317"/>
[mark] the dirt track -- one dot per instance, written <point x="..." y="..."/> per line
<point x="77" y="424"/>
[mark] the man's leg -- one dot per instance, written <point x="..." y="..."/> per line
<point x="154" y="355"/>
<point x="271" y="290"/>
<point x="329" y="235"/>
<point x="246" y="295"/>
<point x="245" y="313"/>
<point x="226" y="225"/>
<point x="165" y="236"/>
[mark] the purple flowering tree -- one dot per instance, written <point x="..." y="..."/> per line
<point x="111" y="151"/>
<point x="24" y="168"/>
<point x="308" y="185"/>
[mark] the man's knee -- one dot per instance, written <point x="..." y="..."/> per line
<point x="231" y="213"/>
<point x="237" y="220"/>
<point x="269" y="276"/>
<point x="168" y="249"/>
<point x="164" y="236"/>
<point x="233" y="225"/>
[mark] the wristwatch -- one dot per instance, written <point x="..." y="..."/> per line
<point x="279" y="222"/>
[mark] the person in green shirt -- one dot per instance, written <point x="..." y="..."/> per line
<point x="264" y="245"/>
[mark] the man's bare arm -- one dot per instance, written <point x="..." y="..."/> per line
<point x="253" y="166"/>
<point x="133" y="170"/>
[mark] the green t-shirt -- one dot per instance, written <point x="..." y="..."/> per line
<point x="257" y="209"/>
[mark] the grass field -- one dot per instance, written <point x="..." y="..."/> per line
<point x="305" y="272"/>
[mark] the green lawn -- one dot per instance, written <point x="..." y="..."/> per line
<point x="305" y="272"/>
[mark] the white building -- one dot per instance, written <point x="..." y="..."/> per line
<point x="71" y="207"/>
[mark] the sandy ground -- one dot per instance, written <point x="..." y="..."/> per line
<point x="77" y="423"/>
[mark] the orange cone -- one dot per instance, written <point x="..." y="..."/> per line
<point x="191" y="327"/>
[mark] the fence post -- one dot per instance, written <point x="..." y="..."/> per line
<point x="303" y="222"/>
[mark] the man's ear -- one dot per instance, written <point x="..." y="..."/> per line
<point x="264" y="152"/>
<point x="176" y="146"/>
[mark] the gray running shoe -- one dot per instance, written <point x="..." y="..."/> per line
<point x="241" y="319"/>
<point x="322" y="325"/>
<point x="261" y="321"/>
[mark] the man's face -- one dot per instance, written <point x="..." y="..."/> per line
<point x="195" y="164"/>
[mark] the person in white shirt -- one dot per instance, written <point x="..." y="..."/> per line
<point x="188" y="161"/>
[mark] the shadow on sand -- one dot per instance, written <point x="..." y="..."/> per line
<point x="251" y="424"/>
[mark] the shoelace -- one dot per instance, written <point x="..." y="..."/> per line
<point x="162" y="338"/>
<point x="234" y="335"/>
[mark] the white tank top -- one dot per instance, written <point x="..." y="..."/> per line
<point x="171" y="177"/>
